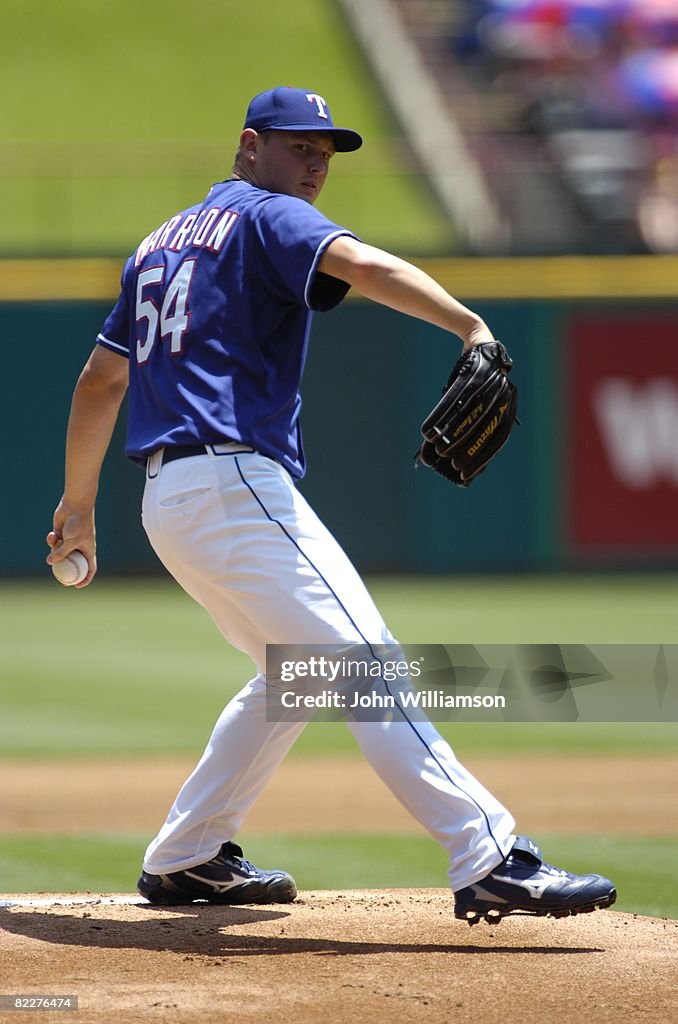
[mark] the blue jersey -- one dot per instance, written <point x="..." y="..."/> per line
<point x="214" y="315"/>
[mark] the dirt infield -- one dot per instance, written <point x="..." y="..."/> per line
<point x="336" y="957"/>
<point x="392" y="955"/>
<point x="546" y="794"/>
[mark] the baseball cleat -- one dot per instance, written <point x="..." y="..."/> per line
<point x="227" y="878"/>
<point x="524" y="884"/>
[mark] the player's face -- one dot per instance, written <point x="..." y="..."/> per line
<point x="295" y="164"/>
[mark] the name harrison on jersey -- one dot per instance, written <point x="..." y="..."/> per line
<point x="207" y="229"/>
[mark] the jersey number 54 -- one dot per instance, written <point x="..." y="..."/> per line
<point x="163" y="311"/>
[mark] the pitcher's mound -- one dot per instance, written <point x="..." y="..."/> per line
<point x="330" y="957"/>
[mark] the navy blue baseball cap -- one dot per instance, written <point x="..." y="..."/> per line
<point x="288" y="110"/>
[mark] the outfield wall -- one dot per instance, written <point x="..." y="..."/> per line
<point x="590" y="479"/>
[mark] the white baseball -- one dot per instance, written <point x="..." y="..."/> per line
<point x="72" y="569"/>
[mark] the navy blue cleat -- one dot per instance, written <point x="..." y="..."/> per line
<point x="227" y="878"/>
<point x="524" y="884"/>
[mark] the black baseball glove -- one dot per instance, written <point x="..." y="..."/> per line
<point x="473" y="420"/>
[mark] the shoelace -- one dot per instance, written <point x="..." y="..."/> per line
<point x="555" y="871"/>
<point x="229" y="851"/>
<point x="247" y="864"/>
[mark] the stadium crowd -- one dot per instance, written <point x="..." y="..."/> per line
<point x="608" y="68"/>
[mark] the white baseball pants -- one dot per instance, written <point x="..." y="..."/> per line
<point x="237" y="535"/>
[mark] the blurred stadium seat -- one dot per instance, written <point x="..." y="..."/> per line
<point x="580" y="100"/>
<point x="559" y="135"/>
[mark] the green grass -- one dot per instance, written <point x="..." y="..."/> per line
<point x="135" y="667"/>
<point x="523" y="609"/>
<point x="128" y="112"/>
<point x="111" y="864"/>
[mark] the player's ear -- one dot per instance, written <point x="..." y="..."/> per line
<point x="249" y="143"/>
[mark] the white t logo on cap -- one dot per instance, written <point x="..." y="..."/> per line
<point x="313" y="97"/>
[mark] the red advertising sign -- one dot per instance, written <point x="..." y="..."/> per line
<point x="622" y="443"/>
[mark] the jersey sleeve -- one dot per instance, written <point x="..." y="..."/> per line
<point x="115" y="332"/>
<point x="293" y="237"/>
